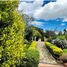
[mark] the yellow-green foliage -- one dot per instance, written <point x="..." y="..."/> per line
<point x="1" y="49"/>
<point x="65" y="51"/>
<point x="48" y="44"/>
<point x="31" y="58"/>
<point x="33" y="45"/>
<point x="35" y="33"/>
<point x="62" y="37"/>
<point x="11" y="34"/>
<point x="32" y="55"/>
<point x="55" y="49"/>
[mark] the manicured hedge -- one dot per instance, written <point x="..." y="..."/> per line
<point x="56" y="50"/>
<point x="33" y="45"/>
<point x="31" y="58"/>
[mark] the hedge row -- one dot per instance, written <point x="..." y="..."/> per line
<point x="34" y="54"/>
<point x="33" y="45"/>
<point x="31" y="58"/>
<point x="54" y="49"/>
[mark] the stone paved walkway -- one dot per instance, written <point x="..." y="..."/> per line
<point x="45" y="56"/>
<point x="46" y="59"/>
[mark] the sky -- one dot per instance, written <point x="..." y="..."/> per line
<point x="48" y="14"/>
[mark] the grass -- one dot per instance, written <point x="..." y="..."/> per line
<point x="62" y="37"/>
<point x="65" y="51"/>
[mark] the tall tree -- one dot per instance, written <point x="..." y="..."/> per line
<point x="50" y="34"/>
<point x="11" y="34"/>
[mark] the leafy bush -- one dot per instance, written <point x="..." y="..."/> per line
<point x="65" y="51"/>
<point x="30" y="46"/>
<point x="66" y="36"/>
<point x="33" y="45"/>
<point x="26" y="41"/>
<point x="31" y="58"/>
<point x="63" y="58"/>
<point x="61" y="37"/>
<point x="26" y="46"/>
<point x="56" y="50"/>
<point x="49" y="39"/>
<point x="11" y="34"/>
<point x="60" y="43"/>
<point x="48" y="44"/>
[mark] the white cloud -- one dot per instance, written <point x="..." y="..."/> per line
<point x="62" y="24"/>
<point x="37" y="23"/>
<point x="29" y="8"/>
<point x="26" y="0"/>
<point x="65" y="20"/>
<point x="52" y="10"/>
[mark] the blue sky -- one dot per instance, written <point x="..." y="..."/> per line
<point x="49" y="14"/>
<point x="52" y="25"/>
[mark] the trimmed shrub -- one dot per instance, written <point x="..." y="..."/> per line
<point x="33" y="45"/>
<point x="54" y="49"/>
<point x="31" y="58"/>
<point x="48" y="44"/>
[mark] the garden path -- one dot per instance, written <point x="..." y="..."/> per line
<point x="45" y="56"/>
